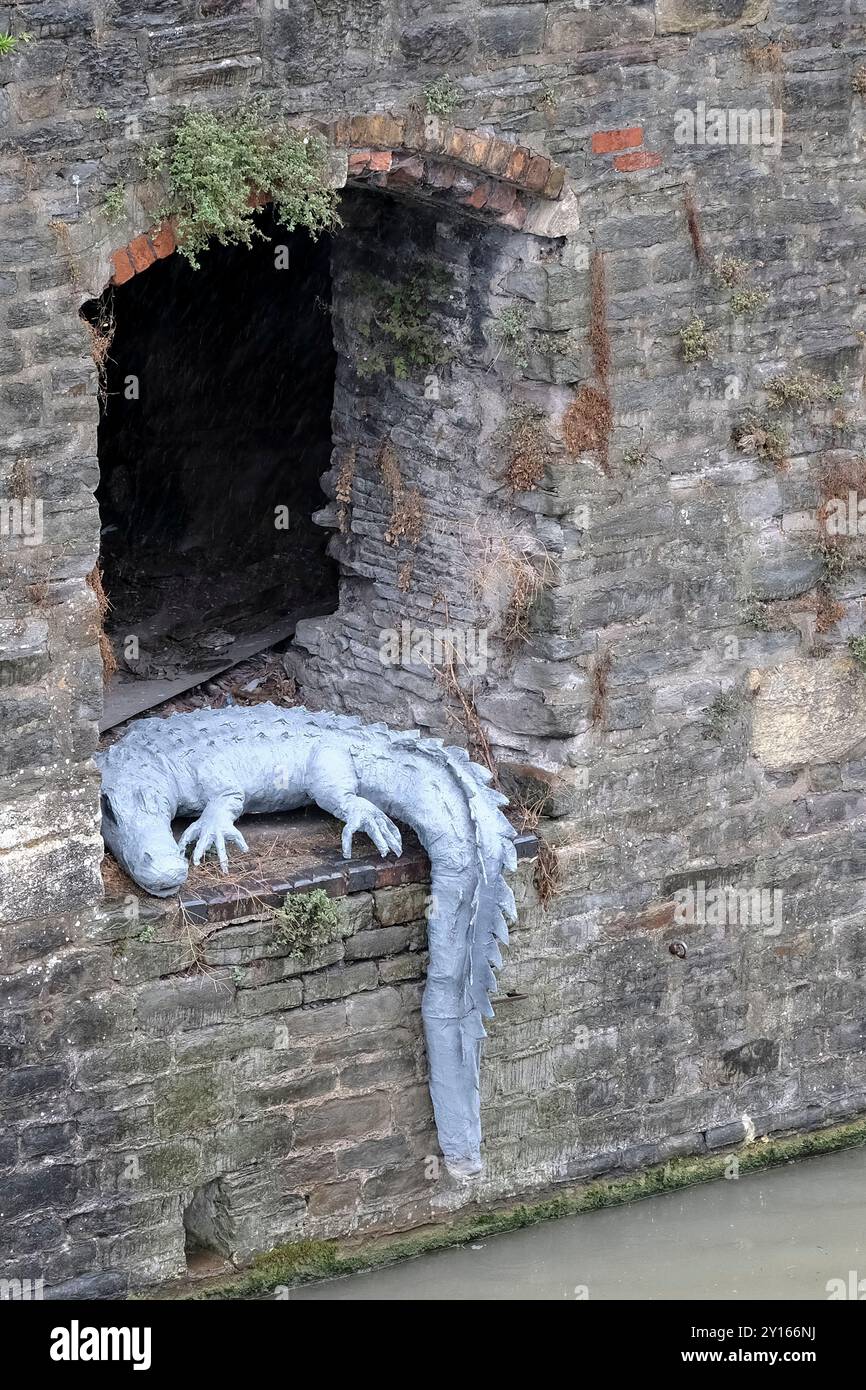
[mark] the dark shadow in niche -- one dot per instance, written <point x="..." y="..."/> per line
<point x="214" y="431"/>
<point x="207" y="1230"/>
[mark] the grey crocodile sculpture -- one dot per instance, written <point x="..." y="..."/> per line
<point x="216" y="764"/>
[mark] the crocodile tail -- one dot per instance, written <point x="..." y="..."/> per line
<point x="493" y="905"/>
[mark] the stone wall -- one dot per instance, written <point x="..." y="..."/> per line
<point x="692" y="639"/>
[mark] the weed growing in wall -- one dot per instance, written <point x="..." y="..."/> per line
<point x="9" y="42"/>
<point x="401" y="328"/>
<point x="113" y="204"/>
<point x="693" y="224"/>
<point x="598" y="688"/>
<point x="756" y="613"/>
<point x="747" y="301"/>
<point x="694" y="340"/>
<point x="858" y="82"/>
<point x="857" y="648"/>
<point x="723" y="710"/>
<point x="599" y="337"/>
<point x="511" y="329"/>
<point x="766" y="438"/>
<point x="441" y="96"/>
<point x="801" y="389"/>
<point x="306" y="922"/>
<point x="216" y="161"/>
<point x="407" y="515"/>
<point x="587" y="423"/>
<point x="730" y="272"/>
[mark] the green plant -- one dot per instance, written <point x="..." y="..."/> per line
<point x="695" y="340"/>
<point x="100" y="114"/>
<point x="730" y="272"/>
<point x="510" y="327"/>
<point x="218" y="162"/>
<point x="441" y="96"/>
<point x="147" y="934"/>
<point x="305" y="922"/>
<point x="401" y="328"/>
<point x="748" y="301"/>
<point x="113" y="204"/>
<point x="722" y="711"/>
<point x="766" y="438"/>
<point x="799" y="389"/>
<point x="857" y="648"/>
<point x="9" y="42"/>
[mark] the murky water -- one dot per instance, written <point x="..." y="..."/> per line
<point x="781" y="1234"/>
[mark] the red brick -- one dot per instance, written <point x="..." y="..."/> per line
<point x="163" y="241"/>
<point x="123" y="267"/>
<point x="641" y="159"/>
<point x="141" y="253"/>
<point x="359" y="160"/>
<point x="380" y="160"/>
<point x="478" y="197"/>
<point x="605" y="141"/>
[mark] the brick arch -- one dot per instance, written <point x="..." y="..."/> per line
<point x="502" y="182"/>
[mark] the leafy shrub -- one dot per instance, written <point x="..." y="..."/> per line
<point x="217" y="160"/>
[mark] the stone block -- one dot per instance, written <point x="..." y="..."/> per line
<point x="345" y="1119"/>
<point x="691" y="16"/>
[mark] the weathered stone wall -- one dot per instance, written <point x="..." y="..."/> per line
<point x="158" y="1055"/>
<point x="692" y="640"/>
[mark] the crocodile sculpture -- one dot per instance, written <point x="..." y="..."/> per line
<point x="216" y="764"/>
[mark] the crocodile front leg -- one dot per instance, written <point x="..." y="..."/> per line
<point x="331" y="781"/>
<point x="214" y="827"/>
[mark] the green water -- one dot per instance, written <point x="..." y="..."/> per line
<point x="780" y="1234"/>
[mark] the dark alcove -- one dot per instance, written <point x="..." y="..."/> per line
<point x="214" y="430"/>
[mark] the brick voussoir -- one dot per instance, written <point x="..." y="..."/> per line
<point x="419" y="135"/>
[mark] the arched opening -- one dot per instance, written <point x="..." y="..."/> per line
<point x="215" y="427"/>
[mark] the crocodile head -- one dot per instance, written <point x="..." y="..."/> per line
<point x="137" y="830"/>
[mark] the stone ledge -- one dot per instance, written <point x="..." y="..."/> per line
<point x="334" y="875"/>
